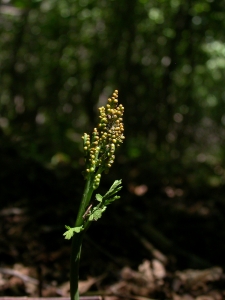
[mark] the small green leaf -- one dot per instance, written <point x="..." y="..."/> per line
<point x="98" y="197"/>
<point x="70" y="232"/>
<point x="96" y="214"/>
<point x="115" y="185"/>
<point x="78" y="229"/>
<point x="108" y="201"/>
<point x="115" y="188"/>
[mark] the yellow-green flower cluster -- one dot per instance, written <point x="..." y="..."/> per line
<point x="96" y="181"/>
<point x="99" y="149"/>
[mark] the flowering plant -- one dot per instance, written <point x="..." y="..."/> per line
<point x="99" y="153"/>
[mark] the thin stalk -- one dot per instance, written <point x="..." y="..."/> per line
<point x="77" y="240"/>
<point x="88" y="190"/>
<point x="74" y="269"/>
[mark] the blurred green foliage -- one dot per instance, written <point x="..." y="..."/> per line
<point x="61" y="59"/>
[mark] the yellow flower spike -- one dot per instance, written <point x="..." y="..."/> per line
<point x="108" y="135"/>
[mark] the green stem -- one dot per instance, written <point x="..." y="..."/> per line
<point x="75" y="259"/>
<point x="88" y="190"/>
<point x="78" y="238"/>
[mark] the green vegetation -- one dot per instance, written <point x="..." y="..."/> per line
<point x="167" y="56"/>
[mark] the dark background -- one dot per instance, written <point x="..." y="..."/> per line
<point x="60" y="61"/>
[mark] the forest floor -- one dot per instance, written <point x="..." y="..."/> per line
<point x="150" y="281"/>
<point x="34" y="264"/>
<point x="160" y="241"/>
